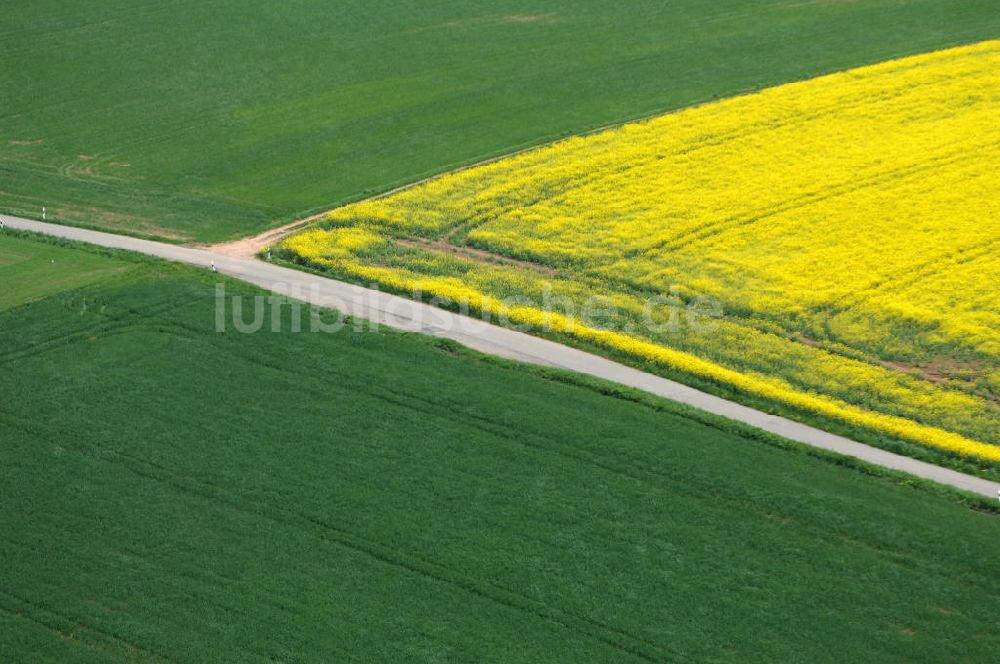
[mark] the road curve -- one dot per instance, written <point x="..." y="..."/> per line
<point x="405" y="314"/>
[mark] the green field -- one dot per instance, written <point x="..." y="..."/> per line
<point x="32" y="270"/>
<point x="172" y="493"/>
<point x="207" y="121"/>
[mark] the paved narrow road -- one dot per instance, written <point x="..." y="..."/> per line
<point x="414" y="316"/>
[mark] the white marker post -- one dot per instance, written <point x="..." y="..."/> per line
<point x="43" y="214"/>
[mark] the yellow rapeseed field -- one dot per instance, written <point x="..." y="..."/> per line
<point x="847" y="228"/>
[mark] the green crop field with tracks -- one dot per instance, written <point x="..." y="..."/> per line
<point x="32" y="270"/>
<point x="208" y="121"/>
<point x="175" y="493"/>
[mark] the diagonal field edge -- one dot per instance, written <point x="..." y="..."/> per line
<point x="409" y="315"/>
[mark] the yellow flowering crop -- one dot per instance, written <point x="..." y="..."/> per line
<point x="849" y="226"/>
